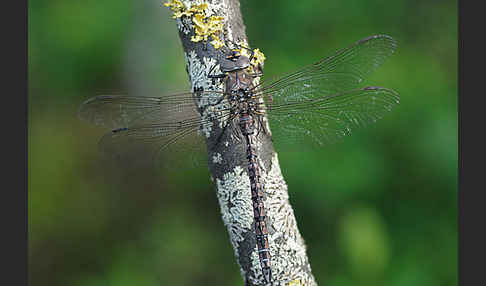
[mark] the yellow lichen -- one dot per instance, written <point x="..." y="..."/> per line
<point x="258" y="57"/>
<point x="200" y="28"/>
<point x="174" y="4"/>
<point x="177" y="7"/>
<point x="203" y="26"/>
<point x="296" y="282"/>
<point x="216" y="42"/>
<point x="198" y="8"/>
<point x="216" y="23"/>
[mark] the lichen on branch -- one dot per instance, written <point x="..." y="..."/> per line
<point x="199" y="17"/>
<point x="205" y="26"/>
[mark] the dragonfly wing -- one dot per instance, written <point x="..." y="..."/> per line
<point x="342" y="71"/>
<point x="144" y="128"/>
<point x="119" y="111"/>
<point x="332" y="117"/>
<point x="159" y="146"/>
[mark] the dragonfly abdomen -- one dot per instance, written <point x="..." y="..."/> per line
<point x="261" y="231"/>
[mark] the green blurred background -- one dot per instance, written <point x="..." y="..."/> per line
<point x="379" y="208"/>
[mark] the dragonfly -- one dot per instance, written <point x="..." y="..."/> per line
<point x="321" y="101"/>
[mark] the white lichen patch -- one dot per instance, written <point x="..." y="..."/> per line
<point x="217" y="159"/>
<point x="257" y="275"/>
<point x="213" y="108"/>
<point x="198" y="72"/>
<point x="235" y="202"/>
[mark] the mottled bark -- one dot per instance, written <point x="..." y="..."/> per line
<point x="228" y="166"/>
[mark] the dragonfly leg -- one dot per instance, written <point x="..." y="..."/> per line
<point x="236" y="129"/>
<point x="205" y="45"/>
<point x="252" y="54"/>
<point x="259" y="125"/>
<point x="213" y="77"/>
<point x="256" y="74"/>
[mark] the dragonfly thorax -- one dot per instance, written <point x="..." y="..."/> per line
<point x="238" y="82"/>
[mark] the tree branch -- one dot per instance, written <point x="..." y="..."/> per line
<point x="228" y="163"/>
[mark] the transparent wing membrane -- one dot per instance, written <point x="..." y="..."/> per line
<point x="144" y="129"/>
<point x="140" y="145"/>
<point x="327" y="119"/>
<point x="340" y="72"/>
<point x="118" y="111"/>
